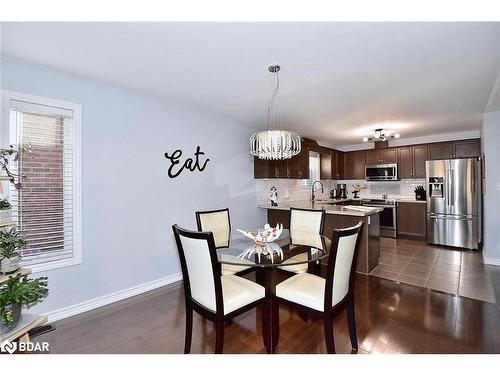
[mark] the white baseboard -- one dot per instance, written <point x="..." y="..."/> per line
<point x="492" y="261"/>
<point x="82" y="307"/>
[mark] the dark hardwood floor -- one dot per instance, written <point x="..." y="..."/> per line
<point x="391" y="318"/>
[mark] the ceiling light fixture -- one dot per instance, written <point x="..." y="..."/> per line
<point x="381" y="136"/>
<point x="274" y="144"/>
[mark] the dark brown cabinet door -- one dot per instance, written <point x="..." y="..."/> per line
<point x="419" y="159"/>
<point x="389" y="156"/>
<point x="337" y="165"/>
<point x="325" y="164"/>
<point x="303" y="163"/>
<point x="411" y="220"/>
<point x="405" y="162"/>
<point x="467" y="149"/>
<point x="292" y="167"/>
<point x="359" y="164"/>
<point x="263" y="168"/>
<point x="281" y="168"/>
<point x="373" y="157"/>
<point x="439" y="151"/>
<point x="340" y="166"/>
<point x="349" y="165"/>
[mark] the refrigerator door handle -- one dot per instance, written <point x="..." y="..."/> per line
<point x="452" y="173"/>
<point x="435" y="217"/>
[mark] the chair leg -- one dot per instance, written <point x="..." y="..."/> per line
<point x="276" y="322"/>
<point x="351" y="321"/>
<point x="328" y="325"/>
<point x="219" y="335"/>
<point x="189" y="330"/>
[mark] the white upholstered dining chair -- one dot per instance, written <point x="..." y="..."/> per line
<point x="303" y="222"/>
<point x="325" y="298"/>
<point x="213" y="296"/>
<point x="219" y="223"/>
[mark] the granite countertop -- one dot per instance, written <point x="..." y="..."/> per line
<point x="328" y="205"/>
<point x="410" y="200"/>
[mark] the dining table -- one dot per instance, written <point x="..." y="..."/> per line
<point x="300" y="249"/>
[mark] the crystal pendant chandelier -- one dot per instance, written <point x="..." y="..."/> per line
<point x="274" y="144"/>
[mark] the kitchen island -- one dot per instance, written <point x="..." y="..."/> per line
<point x="339" y="213"/>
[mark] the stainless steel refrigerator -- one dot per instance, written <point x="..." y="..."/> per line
<point x="454" y="202"/>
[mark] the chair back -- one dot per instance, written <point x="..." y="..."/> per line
<point x="200" y="267"/>
<point x="306" y="221"/>
<point x="341" y="264"/>
<point x="218" y="223"/>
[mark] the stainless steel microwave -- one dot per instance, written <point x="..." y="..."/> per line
<point x="381" y="172"/>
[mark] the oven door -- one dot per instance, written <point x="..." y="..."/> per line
<point x="388" y="217"/>
<point x="382" y="172"/>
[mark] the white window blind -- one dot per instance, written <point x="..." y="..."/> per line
<point x="44" y="206"/>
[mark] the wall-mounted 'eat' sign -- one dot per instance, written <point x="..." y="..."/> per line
<point x="189" y="164"/>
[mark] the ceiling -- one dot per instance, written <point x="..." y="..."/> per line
<point x="338" y="80"/>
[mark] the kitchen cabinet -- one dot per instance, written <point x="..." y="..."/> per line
<point x="359" y="164"/>
<point x="439" y="151"/>
<point x="349" y="172"/>
<point x="381" y="156"/>
<point x="419" y="159"/>
<point x="411" y="221"/>
<point x="467" y="149"/>
<point x="412" y="161"/>
<point x="325" y="165"/>
<point x="337" y="165"/>
<point x="263" y="168"/>
<point x="296" y="167"/>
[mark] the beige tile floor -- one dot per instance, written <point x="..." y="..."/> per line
<point x="438" y="268"/>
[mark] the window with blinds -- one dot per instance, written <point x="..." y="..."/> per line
<point x="44" y="207"/>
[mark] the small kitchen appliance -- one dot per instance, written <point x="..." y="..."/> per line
<point x="343" y="191"/>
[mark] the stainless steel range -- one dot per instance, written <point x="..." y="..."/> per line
<point x="387" y="216"/>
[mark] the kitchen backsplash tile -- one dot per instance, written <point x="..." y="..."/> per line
<point x="297" y="190"/>
<point x="290" y="190"/>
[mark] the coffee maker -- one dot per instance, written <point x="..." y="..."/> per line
<point x="343" y="191"/>
<point x="339" y="192"/>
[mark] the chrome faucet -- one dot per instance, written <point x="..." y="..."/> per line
<point x="313" y="191"/>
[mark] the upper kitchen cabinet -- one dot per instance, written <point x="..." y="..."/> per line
<point x="381" y="156"/>
<point x="263" y="168"/>
<point x="325" y="165"/>
<point x="419" y="159"/>
<point x="337" y="165"/>
<point x="359" y="164"/>
<point x="439" y="151"/>
<point x="412" y="161"/>
<point x="349" y="172"/>
<point x="467" y="149"/>
<point x="296" y="167"/>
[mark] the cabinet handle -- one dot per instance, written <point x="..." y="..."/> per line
<point x="288" y="173"/>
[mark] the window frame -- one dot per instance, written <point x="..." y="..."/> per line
<point x="7" y="96"/>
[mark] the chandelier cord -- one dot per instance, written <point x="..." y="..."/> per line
<point x="271" y="104"/>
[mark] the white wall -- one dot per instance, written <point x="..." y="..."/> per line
<point x="491" y="148"/>
<point x="129" y="203"/>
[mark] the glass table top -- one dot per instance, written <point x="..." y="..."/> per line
<point x="302" y="248"/>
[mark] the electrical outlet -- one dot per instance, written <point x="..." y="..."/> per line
<point x="497" y="187"/>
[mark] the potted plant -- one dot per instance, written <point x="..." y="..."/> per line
<point x="10" y="243"/>
<point x="5" y="209"/>
<point x="17" y="292"/>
